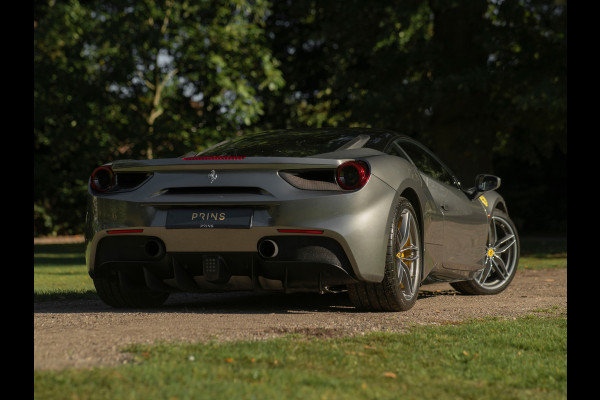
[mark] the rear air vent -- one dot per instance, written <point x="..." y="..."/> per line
<point x="313" y="179"/>
<point x="128" y="180"/>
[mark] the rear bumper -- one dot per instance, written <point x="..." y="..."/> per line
<point x="301" y="263"/>
<point x="351" y="246"/>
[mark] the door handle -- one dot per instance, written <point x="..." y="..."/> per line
<point x="444" y="207"/>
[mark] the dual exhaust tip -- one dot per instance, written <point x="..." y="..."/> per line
<point x="267" y="248"/>
<point x="155" y="249"/>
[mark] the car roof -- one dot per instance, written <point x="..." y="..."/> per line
<point x="303" y="142"/>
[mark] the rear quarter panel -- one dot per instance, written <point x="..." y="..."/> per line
<point x="404" y="178"/>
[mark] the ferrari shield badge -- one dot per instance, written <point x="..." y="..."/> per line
<point x="212" y="176"/>
<point x="481" y="198"/>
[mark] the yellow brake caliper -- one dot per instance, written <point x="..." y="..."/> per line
<point x="400" y="254"/>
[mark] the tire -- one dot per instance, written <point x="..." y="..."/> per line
<point x="111" y="293"/>
<point x="501" y="259"/>
<point x="399" y="289"/>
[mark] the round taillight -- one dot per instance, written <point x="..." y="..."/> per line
<point x="102" y="179"/>
<point x="353" y="175"/>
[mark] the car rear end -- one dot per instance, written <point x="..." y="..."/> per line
<point x="222" y="223"/>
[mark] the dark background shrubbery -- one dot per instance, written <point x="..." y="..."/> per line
<point x="483" y="83"/>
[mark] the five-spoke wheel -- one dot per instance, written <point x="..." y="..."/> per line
<point x="403" y="269"/>
<point x="500" y="261"/>
<point x="406" y="241"/>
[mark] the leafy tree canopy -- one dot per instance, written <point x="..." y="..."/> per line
<point x="482" y="82"/>
<point x="131" y="79"/>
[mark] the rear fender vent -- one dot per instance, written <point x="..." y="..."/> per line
<point x="312" y="179"/>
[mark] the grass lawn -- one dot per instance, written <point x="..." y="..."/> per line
<point x="489" y="359"/>
<point x="59" y="271"/>
<point x="486" y="359"/>
<point x="542" y="253"/>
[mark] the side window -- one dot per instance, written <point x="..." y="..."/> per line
<point x="395" y="150"/>
<point x="426" y="163"/>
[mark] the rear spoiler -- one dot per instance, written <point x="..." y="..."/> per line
<point x="223" y="163"/>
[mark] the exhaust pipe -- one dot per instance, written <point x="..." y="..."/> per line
<point x="154" y="249"/>
<point x="268" y="249"/>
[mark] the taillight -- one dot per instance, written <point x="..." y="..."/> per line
<point x="352" y="175"/>
<point x="103" y="178"/>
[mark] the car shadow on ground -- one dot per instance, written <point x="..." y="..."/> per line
<point x="228" y="303"/>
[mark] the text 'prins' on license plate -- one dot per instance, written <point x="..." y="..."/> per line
<point x="209" y="218"/>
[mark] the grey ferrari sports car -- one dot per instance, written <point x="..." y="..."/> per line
<point x="366" y="211"/>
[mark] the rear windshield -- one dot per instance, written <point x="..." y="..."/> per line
<point x="292" y="143"/>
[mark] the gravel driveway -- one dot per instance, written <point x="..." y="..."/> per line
<point x="86" y="333"/>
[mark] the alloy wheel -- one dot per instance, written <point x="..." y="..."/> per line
<point x="501" y="254"/>
<point x="407" y="242"/>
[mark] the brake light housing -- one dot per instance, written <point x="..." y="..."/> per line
<point x="213" y="158"/>
<point x="353" y="175"/>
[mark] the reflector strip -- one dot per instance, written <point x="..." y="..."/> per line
<point x="215" y="158"/>
<point x="125" y="231"/>
<point x="298" y="231"/>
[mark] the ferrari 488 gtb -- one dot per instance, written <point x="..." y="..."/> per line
<point x="366" y="211"/>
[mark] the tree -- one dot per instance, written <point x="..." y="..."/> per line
<point x="131" y="79"/>
<point x="482" y="83"/>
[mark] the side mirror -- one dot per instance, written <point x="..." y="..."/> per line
<point x="485" y="183"/>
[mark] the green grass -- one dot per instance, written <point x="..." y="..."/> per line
<point x="543" y="262"/>
<point x="543" y="253"/>
<point x="488" y="359"/>
<point x="59" y="271"/>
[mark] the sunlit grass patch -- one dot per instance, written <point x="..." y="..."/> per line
<point x="485" y="359"/>
<point x="543" y="253"/>
<point x="59" y="271"/>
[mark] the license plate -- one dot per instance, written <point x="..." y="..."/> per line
<point x="209" y="218"/>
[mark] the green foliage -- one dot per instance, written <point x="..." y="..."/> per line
<point x="483" y="83"/>
<point x="543" y="247"/>
<point x="486" y="359"/>
<point x="454" y="74"/>
<point x="528" y="59"/>
<point x="138" y="79"/>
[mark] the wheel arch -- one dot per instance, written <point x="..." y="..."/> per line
<point x="501" y="206"/>
<point x="411" y="195"/>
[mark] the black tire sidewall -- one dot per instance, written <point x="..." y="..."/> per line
<point x="391" y="282"/>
